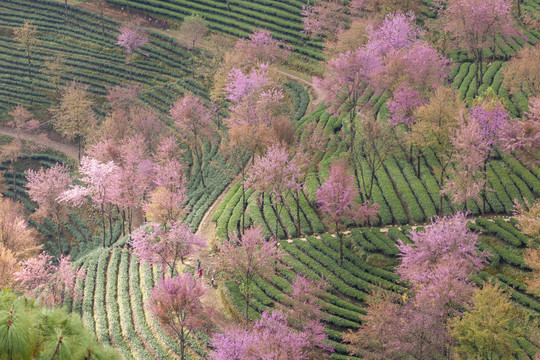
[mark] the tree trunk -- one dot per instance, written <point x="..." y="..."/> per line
<point x="110" y="229"/>
<point x="418" y="162"/>
<point x="103" y="224"/>
<point x="297" y="200"/>
<point x="102" y="20"/>
<point x="79" y="146"/>
<point x="247" y="308"/>
<point x="340" y="245"/>
<point x="519" y="7"/>
<point x="67" y="16"/>
<point x="182" y="346"/>
<point x="485" y="188"/>
<point x="243" y="204"/>
<point x="371" y="181"/>
<point x="57" y="347"/>
<point x="127" y="7"/>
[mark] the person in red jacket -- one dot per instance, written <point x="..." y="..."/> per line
<point x="200" y="273"/>
<point x="164" y="24"/>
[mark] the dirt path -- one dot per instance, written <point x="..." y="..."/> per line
<point x="316" y="97"/>
<point x="207" y="229"/>
<point x="70" y="151"/>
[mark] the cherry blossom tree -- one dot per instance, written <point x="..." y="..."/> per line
<point x="74" y="117"/>
<point x="324" y="18"/>
<point x="101" y="188"/>
<point x="522" y="72"/>
<point x="22" y="119"/>
<point x="276" y="174"/>
<point x="177" y="303"/>
<point x="131" y="38"/>
<point x="45" y="186"/>
<point x="261" y="47"/>
<point x="469" y="155"/>
<point x="51" y="284"/>
<point x="195" y="122"/>
<point x="475" y="24"/>
<point x="337" y="200"/>
<point x="447" y="242"/>
<point x="256" y="104"/>
<point x="523" y="137"/>
<point x="134" y="178"/>
<point x="154" y="243"/>
<point x="402" y="106"/>
<point x="270" y="338"/>
<point x="305" y="315"/>
<point x="242" y="258"/>
<point x="437" y="263"/>
<point x="166" y="201"/>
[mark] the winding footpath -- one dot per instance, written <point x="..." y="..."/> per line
<point x="70" y="151"/>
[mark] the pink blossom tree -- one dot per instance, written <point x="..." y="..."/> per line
<point x="523" y="137"/>
<point x="131" y="38"/>
<point x="44" y="187"/>
<point x="396" y="32"/>
<point x="270" y="338"/>
<point x="134" y="178"/>
<point x="325" y="18"/>
<point x="195" y="124"/>
<point x="446" y="243"/>
<point x="177" y="303"/>
<point x="470" y="152"/>
<point x="166" y="202"/>
<point x="242" y="258"/>
<point x="438" y="264"/>
<point x="261" y="47"/>
<point x="51" y="284"/>
<point x="276" y="174"/>
<point x="337" y="200"/>
<point x="305" y="314"/>
<point x="101" y="188"/>
<point x="402" y="106"/>
<point x="154" y="243"/>
<point x="475" y="24"/>
<point x="22" y="119"/>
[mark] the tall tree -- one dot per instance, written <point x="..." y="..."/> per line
<point x="131" y="38"/>
<point x="434" y="127"/>
<point x="523" y="137"/>
<point x="26" y="35"/>
<point x="325" y="18"/>
<point x="50" y="283"/>
<point x="23" y="119"/>
<point x="245" y="257"/>
<point x="475" y="24"/>
<point x="167" y="201"/>
<point x="470" y="153"/>
<point x="275" y="174"/>
<point x="44" y="187"/>
<point x="164" y="245"/>
<point x="437" y="263"/>
<point x="55" y="68"/>
<point x="194" y="120"/>
<point x="18" y="241"/>
<point x="193" y="30"/>
<point x="177" y="303"/>
<point x="522" y="72"/>
<point x="337" y="199"/>
<point x="101" y="188"/>
<point x="270" y="338"/>
<point x="489" y="328"/>
<point x="74" y="117"/>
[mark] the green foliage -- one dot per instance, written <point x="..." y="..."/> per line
<point x="31" y="332"/>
